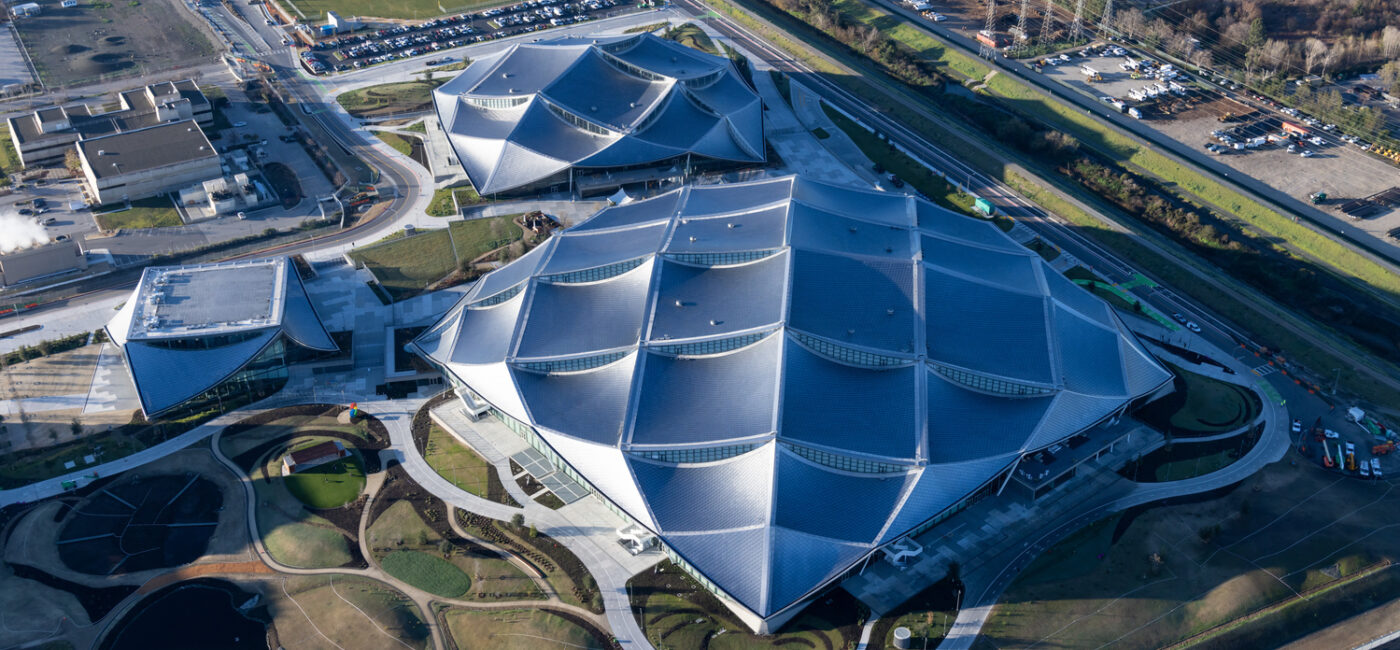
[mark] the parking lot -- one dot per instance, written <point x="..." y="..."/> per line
<point x="1370" y="451"/>
<point x="1337" y="168"/>
<point x="390" y="44"/>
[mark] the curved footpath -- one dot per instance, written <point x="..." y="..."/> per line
<point x="421" y="599"/>
<point x="611" y="578"/>
<point x="1271" y="447"/>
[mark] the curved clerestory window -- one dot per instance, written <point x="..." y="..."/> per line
<point x="845" y="463"/>
<point x="496" y="102"/>
<point x="577" y="364"/>
<point x="699" y="455"/>
<point x="720" y="259"/>
<point x="850" y="356"/>
<point x="985" y="384"/>
<point x="713" y="346"/>
<point x="594" y="274"/>
<point x="498" y="298"/>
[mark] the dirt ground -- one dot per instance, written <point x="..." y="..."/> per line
<point x="107" y="39"/>
<point x="1341" y="170"/>
<point x="342" y="612"/>
<point x="35" y="423"/>
<point x="30" y="611"/>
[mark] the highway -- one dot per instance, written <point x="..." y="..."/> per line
<point x="1356" y="239"/>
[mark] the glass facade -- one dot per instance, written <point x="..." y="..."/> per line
<point x="594" y="274"/>
<point x="701" y="455"/>
<point x="987" y="384"/>
<point x="851" y="356"/>
<point x="720" y="259"/>
<point x="714" y="346"/>
<point x="500" y="297"/>
<point x="263" y="376"/>
<point x="497" y="102"/>
<point x="845" y="463"/>
<point x="572" y="365"/>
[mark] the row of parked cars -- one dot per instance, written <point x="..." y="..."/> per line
<point x="404" y="41"/>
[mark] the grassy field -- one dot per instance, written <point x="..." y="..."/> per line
<point x="402" y="9"/>
<point x="293" y="535"/>
<point x="9" y="158"/>
<point x="353" y="613"/>
<point x="153" y="212"/>
<point x="400" y="528"/>
<point x="690" y="35"/>
<point x="330" y="485"/>
<point x="401" y="143"/>
<point x="428" y="572"/>
<point x="417" y="127"/>
<point x="457" y="463"/>
<point x="406" y="265"/>
<point x="1173" y="571"/>
<point x="390" y="98"/>
<point x="441" y="203"/>
<point x="516" y="629"/>
<point x="901" y="165"/>
<point x="1202" y="405"/>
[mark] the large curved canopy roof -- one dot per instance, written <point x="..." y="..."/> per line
<point x="535" y="109"/>
<point x="185" y="329"/>
<point x="779" y="377"/>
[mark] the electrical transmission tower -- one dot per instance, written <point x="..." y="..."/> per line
<point x="1047" y="22"/>
<point x="1106" y="21"/>
<point x="990" y="29"/>
<point x="1076" y="29"/>
<point x="1023" y="24"/>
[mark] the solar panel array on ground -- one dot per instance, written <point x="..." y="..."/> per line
<point x="553" y="480"/>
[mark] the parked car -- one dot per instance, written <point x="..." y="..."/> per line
<point x="1330" y="434"/>
<point x="61" y="238"/>
<point x="1297" y="426"/>
<point x="1376" y="467"/>
<point x="1179" y="318"/>
<point x="1306" y="153"/>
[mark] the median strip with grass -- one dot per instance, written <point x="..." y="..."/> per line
<point x="886" y="157"/>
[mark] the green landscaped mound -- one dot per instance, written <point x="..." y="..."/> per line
<point x="1201" y="405"/>
<point x="390" y="98"/>
<point x="517" y="629"/>
<point x="427" y="572"/>
<point x="329" y="485"/>
<point x="406" y="265"/>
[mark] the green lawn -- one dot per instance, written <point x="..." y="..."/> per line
<point x="457" y="463"/>
<point x="400" y="525"/>
<point x="9" y="158"/>
<point x="1213" y="405"/>
<point x="441" y="203"/>
<point x="406" y="265"/>
<point x="329" y="485"/>
<point x="428" y="572"/>
<point x="516" y="629"/>
<point x="898" y="163"/>
<point x="153" y="212"/>
<point x="690" y="35"/>
<point x="390" y="98"/>
<point x="401" y="143"/>
<point x="1174" y="571"/>
<point x="417" y="127"/>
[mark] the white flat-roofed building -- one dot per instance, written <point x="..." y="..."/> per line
<point x="146" y="162"/>
<point x="200" y="337"/>
<point x="780" y="378"/>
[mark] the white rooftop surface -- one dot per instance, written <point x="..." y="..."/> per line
<point x="208" y="299"/>
<point x="780" y="377"/>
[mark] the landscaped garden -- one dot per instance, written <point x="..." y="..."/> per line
<point x="406" y="266"/>
<point x="457" y="463"/>
<point x="518" y="629"/>
<point x="1201" y="405"/>
<point x="390" y="98"/>
<point x="411" y="538"/>
<point x="1286" y="553"/>
<point x="561" y="568"/>
<point x="296" y="530"/>
<point x="676" y="612"/>
<point x="328" y="485"/>
<point x="351" y="612"/>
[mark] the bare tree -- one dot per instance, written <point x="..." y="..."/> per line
<point x="1314" y="51"/>
<point x="1390" y="42"/>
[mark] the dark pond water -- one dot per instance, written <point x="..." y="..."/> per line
<point x="200" y="614"/>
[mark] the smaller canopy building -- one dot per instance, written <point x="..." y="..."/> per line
<point x="211" y="336"/>
<point x="525" y="118"/>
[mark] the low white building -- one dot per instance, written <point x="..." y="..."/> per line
<point x="147" y="162"/>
